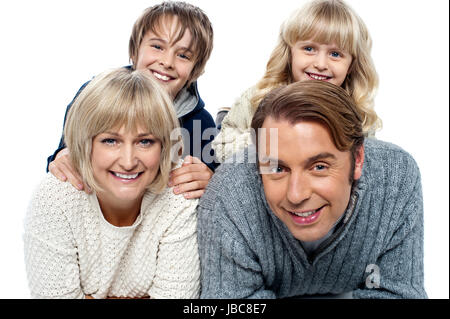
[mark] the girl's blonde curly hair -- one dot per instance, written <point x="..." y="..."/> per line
<point x="327" y="21"/>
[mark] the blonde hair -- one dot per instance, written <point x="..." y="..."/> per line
<point x="121" y="97"/>
<point x="189" y="17"/>
<point x="327" y="21"/>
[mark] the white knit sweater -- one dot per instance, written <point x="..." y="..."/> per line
<point x="72" y="251"/>
<point x="235" y="133"/>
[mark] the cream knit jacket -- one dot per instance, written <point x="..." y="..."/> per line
<point x="235" y="133"/>
<point x="72" y="251"/>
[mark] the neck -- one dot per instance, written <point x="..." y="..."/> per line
<point x="119" y="214"/>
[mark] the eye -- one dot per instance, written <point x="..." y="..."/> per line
<point x="336" y="54"/>
<point x="108" y="141"/>
<point x="184" y="56"/>
<point x="277" y="169"/>
<point x="156" y="46"/>
<point x="320" y="167"/>
<point x="147" y="142"/>
<point x="308" y="49"/>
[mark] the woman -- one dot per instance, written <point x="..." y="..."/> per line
<point x="132" y="237"/>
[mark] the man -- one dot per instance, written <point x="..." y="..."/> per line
<point x="321" y="212"/>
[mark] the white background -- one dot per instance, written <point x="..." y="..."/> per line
<point x="49" y="48"/>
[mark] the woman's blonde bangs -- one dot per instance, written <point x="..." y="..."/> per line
<point x="112" y="100"/>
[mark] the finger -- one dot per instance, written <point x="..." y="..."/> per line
<point x="190" y="168"/>
<point x="202" y="177"/>
<point x="194" y="194"/>
<point x="87" y="189"/>
<point x="57" y="172"/>
<point x="72" y="176"/>
<point x="195" y="160"/>
<point x="187" y="160"/>
<point x="190" y="187"/>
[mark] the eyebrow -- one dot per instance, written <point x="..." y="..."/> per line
<point x="309" y="161"/>
<point x="185" y="49"/>
<point x="320" y="156"/>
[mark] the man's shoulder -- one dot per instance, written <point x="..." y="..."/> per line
<point x="235" y="179"/>
<point x="388" y="156"/>
<point x="389" y="168"/>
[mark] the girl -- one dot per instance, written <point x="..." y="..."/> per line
<point x="326" y="41"/>
<point x="132" y="237"/>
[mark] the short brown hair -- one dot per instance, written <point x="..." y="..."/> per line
<point x="315" y="101"/>
<point x="189" y="17"/>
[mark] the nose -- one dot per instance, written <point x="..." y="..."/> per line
<point x="167" y="59"/>
<point x="321" y="61"/>
<point x="128" y="159"/>
<point x="299" y="189"/>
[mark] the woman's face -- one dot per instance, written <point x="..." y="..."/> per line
<point x="323" y="62"/>
<point x="124" y="164"/>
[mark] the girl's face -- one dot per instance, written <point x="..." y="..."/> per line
<point x="324" y="62"/>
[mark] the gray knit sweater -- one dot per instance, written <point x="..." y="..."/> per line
<point x="375" y="252"/>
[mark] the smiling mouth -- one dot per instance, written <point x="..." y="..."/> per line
<point x="126" y="176"/>
<point x="162" y="77"/>
<point x="306" y="213"/>
<point x="319" y="77"/>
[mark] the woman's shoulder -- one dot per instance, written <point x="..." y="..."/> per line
<point x="54" y="206"/>
<point x="168" y="203"/>
<point x="52" y="194"/>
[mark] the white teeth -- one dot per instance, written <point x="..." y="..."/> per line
<point x="318" y="77"/>
<point x="161" y="77"/>
<point x="126" y="176"/>
<point x="306" y="214"/>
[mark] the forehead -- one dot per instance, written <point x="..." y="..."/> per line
<point x="171" y="29"/>
<point x="298" y="142"/>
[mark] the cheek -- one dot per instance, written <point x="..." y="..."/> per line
<point x="144" y="59"/>
<point x="153" y="159"/>
<point x="101" y="160"/>
<point x="274" y="191"/>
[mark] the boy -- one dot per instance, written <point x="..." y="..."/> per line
<point x="172" y="41"/>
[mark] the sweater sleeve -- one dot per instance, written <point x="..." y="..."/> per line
<point x="229" y="268"/>
<point x="177" y="265"/>
<point x="398" y="271"/>
<point x="235" y="132"/>
<point x="50" y="254"/>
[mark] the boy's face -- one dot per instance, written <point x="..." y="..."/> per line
<point x="169" y="63"/>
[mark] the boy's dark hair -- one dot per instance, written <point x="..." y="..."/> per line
<point x="189" y="17"/>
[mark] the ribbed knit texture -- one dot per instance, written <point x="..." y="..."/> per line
<point x="247" y="252"/>
<point x="72" y="251"/>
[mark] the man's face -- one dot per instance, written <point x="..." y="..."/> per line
<point x="308" y="188"/>
<point x="169" y="62"/>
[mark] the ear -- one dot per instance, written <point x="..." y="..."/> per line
<point x="359" y="162"/>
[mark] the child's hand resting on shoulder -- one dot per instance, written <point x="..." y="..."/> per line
<point x="191" y="178"/>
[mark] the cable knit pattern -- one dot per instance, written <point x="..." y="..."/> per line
<point x="235" y="133"/>
<point x="247" y="252"/>
<point x="72" y="251"/>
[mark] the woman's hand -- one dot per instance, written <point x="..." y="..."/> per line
<point x="191" y="178"/>
<point x="63" y="170"/>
